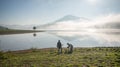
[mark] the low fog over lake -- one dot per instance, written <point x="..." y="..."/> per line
<point x="48" y="39"/>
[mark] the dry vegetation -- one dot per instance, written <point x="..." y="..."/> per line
<point x="81" y="57"/>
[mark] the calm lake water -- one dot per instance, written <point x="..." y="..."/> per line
<point x="81" y="38"/>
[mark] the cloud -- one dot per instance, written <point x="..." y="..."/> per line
<point x="113" y="19"/>
<point x="68" y="25"/>
<point x="110" y="21"/>
<point x="82" y="24"/>
<point x="107" y="19"/>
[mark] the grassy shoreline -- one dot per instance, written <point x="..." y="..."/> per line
<point x="48" y="57"/>
<point x="5" y="32"/>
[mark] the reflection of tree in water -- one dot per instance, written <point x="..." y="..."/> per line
<point x="34" y="34"/>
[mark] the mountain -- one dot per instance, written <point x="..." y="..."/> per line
<point x="3" y="28"/>
<point x="68" y="22"/>
<point x="15" y="26"/>
<point x="68" y="18"/>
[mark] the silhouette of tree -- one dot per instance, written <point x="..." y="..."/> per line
<point x="34" y="28"/>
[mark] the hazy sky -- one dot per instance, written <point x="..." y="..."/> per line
<point x="45" y="11"/>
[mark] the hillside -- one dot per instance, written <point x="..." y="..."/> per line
<point x="3" y="28"/>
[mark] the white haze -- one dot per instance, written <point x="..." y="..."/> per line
<point x="73" y="24"/>
<point x="110" y="18"/>
<point x="77" y="25"/>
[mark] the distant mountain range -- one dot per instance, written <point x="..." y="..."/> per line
<point x="68" y="22"/>
<point x="15" y="26"/>
<point x="64" y="23"/>
<point x="70" y="18"/>
<point x="71" y="22"/>
<point x="3" y="28"/>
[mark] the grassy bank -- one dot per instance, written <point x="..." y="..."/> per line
<point x="9" y="31"/>
<point x="93" y="57"/>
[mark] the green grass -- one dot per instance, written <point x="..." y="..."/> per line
<point x="93" y="57"/>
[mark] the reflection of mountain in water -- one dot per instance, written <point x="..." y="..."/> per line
<point x="89" y="38"/>
<point x="69" y="36"/>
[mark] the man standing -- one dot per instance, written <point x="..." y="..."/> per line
<point x="59" y="46"/>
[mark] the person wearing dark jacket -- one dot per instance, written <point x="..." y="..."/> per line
<point x="59" y="46"/>
<point x="70" y="48"/>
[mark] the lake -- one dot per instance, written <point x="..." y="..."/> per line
<point x="48" y="39"/>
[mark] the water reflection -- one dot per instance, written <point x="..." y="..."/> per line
<point x="34" y="34"/>
<point x="50" y="38"/>
<point x="88" y="38"/>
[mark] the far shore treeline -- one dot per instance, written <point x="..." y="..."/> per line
<point x="5" y="30"/>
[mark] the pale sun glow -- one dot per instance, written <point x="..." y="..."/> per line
<point x="92" y="1"/>
<point x="91" y="30"/>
